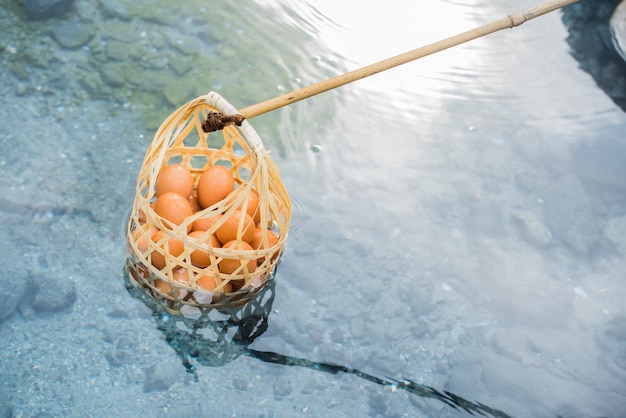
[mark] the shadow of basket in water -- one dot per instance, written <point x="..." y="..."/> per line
<point x="209" y="337"/>
<point x="215" y="338"/>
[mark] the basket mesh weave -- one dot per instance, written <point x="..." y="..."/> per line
<point x="181" y="140"/>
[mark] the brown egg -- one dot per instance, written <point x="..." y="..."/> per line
<point x="174" y="208"/>
<point x="142" y="272"/>
<point x="141" y="216"/>
<point x="203" y="224"/>
<point x="258" y="280"/>
<point x="228" y="230"/>
<point x="193" y="201"/>
<point x="257" y="243"/>
<point x="253" y="206"/>
<point x="140" y="234"/>
<point x="214" y="184"/>
<point x="208" y="282"/>
<point x="174" y="178"/>
<point x="257" y="240"/>
<point x="201" y="258"/>
<point x="162" y="285"/>
<point x="172" y="245"/>
<point x="181" y="275"/>
<point x="230" y="265"/>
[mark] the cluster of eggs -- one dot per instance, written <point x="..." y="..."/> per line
<point x="178" y="198"/>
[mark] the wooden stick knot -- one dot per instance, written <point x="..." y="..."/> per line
<point x="216" y="121"/>
<point x="516" y="19"/>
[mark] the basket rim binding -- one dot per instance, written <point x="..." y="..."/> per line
<point x="278" y="207"/>
<point x="251" y="136"/>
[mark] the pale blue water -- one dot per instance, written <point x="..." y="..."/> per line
<point x="459" y="236"/>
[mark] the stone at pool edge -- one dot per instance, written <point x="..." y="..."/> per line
<point x="73" y="34"/>
<point x="618" y="27"/>
<point x="45" y="9"/>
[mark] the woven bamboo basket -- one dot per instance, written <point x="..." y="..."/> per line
<point x="175" y="281"/>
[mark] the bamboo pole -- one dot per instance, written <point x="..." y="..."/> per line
<point x="507" y="22"/>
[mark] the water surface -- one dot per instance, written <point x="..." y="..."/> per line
<point x="460" y="221"/>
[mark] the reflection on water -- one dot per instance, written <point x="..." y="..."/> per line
<point x="592" y="45"/>
<point x="211" y="338"/>
<point x="449" y="399"/>
<point x="374" y="33"/>
<point x="471" y="196"/>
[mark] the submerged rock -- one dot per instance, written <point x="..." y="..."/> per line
<point x="282" y="388"/>
<point x="45" y="9"/>
<point x="568" y="214"/>
<point x="13" y="288"/>
<point x="72" y="34"/>
<point x="161" y="376"/>
<point x="531" y="228"/>
<point x="115" y="9"/>
<point x="117" y="50"/>
<point x="178" y="91"/>
<point x="113" y="74"/>
<point x="53" y="292"/>
<point x="485" y="219"/>
<point x="615" y="231"/>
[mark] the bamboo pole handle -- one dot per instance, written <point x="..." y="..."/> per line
<point x="216" y="121"/>
<point x="509" y="21"/>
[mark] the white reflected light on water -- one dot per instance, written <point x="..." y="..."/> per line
<point x="451" y="207"/>
<point x="356" y="36"/>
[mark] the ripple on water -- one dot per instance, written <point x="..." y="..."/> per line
<point x="300" y="216"/>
